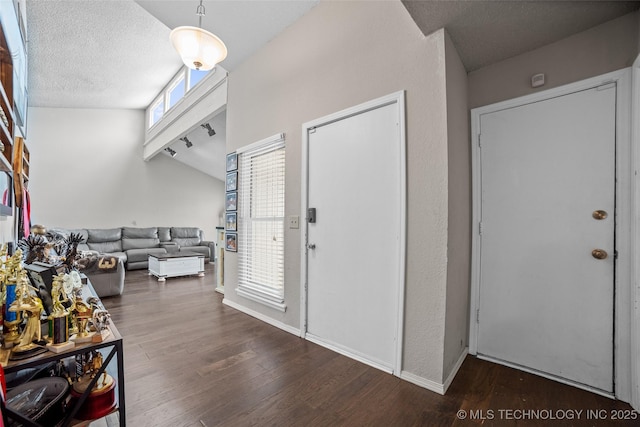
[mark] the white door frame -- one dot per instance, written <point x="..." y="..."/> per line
<point x="397" y="98"/>
<point x="635" y="250"/>
<point x="625" y="344"/>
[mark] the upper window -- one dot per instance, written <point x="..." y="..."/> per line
<point x="261" y="222"/>
<point x="176" y="90"/>
<point x="195" y="76"/>
<point x="157" y="110"/>
<point x="180" y="84"/>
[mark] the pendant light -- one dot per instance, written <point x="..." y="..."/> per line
<point x="199" y="49"/>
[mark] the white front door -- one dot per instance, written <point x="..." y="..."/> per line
<point x="547" y="208"/>
<point x="353" y="261"/>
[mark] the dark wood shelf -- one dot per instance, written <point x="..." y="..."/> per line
<point x="6" y="104"/>
<point x="5" y="99"/>
<point x="113" y="343"/>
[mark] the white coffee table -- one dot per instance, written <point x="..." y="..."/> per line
<point x="176" y="264"/>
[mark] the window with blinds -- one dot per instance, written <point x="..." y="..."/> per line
<point x="261" y="221"/>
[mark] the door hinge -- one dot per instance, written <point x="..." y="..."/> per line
<point x="477" y="315"/>
<point x="480" y="228"/>
<point x="480" y="140"/>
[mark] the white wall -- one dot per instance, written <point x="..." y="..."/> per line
<point x="87" y="171"/>
<point x="459" y="210"/>
<point x="339" y="55"/>
<point x="607" y="47"/>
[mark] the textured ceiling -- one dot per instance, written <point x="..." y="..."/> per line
<point x="486" y="32"/>
<point x="96" y="54"/>
<point x="117" y="53"/>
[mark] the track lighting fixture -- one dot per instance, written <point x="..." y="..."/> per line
<point x="188" y="143"/>
<point x="209" y="129"/>
<point x="171" y="152"/>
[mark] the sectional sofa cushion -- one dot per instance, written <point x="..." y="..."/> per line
<point x="139" y="238"/>
<point x="105" y="240"/>
<point x="164" y="234"/>
<point x="106" y="247"/>
<point x="104" y="234"/>
<point x="186" y="236"/>
<point x="140" y="233"/>
<point x="128" y="244"/>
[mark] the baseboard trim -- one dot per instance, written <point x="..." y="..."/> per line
<point x="422" y="382"/>
<point x="349" y="353"/>
<point x="260" y="316"/>
<point x="455" y="369"/>
<point x="433" y="385"/>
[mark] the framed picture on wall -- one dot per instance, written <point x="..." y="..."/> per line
<point x="232" y="162"/>
<point x="231" y="203"/>
<point x="232" y="221"/>
<point x="231" y="242"/>
<point x="232" y="181"/>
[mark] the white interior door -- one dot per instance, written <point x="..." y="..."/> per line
<point x="545" y="302"/>
<point x="353" y="264"/>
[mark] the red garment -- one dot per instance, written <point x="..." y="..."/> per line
<point x="26" y="213"/>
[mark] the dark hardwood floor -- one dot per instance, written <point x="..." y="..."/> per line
<point x="192" y="361"/>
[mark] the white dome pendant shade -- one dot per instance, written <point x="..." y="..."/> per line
<point x="199" y="49"/>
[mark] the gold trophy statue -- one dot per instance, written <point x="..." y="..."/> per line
<point x="31" y="305"/>
<point x="59" y="318"/>
<point x="12" y="318"/>
<point x="82" y="314"/>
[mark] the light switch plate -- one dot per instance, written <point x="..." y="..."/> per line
<point x="294" y="221"/>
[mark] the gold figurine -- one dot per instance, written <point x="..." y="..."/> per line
<point x="29" y="304"/>
<point x="59" y="295"/>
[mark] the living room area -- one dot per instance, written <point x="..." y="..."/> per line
<point x="320" y="186"/>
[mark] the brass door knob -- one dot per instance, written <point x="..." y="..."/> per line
<point x="599" y="253"/>
<point x="599" y="214"/>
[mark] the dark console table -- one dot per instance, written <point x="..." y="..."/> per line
<point x="113" y="343"/>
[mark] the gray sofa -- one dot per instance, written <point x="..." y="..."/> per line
<point x="133" y="245"/>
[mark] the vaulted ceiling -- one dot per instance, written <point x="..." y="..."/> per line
<point x="117" y="54"/>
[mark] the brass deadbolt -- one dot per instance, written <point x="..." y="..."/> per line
<point x="599" y="214"/>
<point x="599" y="253"/>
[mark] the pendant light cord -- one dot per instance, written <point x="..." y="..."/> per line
<point x="200" y="13"/>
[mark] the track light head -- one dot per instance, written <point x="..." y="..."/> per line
<point x="171" y="152"/>
<point x="188" y="143"/>
<point x="209" y="129"/>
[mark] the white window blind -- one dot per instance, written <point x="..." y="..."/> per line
<point x="261" y="168"/>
